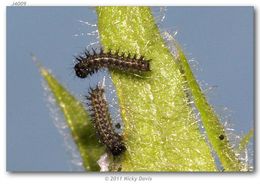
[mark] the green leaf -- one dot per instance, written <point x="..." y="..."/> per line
<point x="214" y="129"/>
<point x="161" y="130"/>
<point x="245" y="140"/>
<point x="78" y="121"/>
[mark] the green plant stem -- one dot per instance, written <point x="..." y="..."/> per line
<point x="161" y="131"/>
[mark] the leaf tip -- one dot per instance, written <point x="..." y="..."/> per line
<point x="37" y="62"/>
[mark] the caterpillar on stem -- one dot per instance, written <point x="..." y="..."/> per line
<point x="103" y="123"/>
<point x="92" y="62"/>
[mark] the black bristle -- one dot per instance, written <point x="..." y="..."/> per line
<point x="79" y="60"/>
<point x="94" y="51"/>
<point x="87" y="53"/>
<point x="117" y="52"/>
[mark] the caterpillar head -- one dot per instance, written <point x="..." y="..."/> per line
<point x="82" y="71"/>
<point x="118" y="148"/>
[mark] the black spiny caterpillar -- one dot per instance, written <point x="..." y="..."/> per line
<point x="91" y="63"/>
<point x="103" y="123"/>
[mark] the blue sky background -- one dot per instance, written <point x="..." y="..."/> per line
<point x="220" y="39"/>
